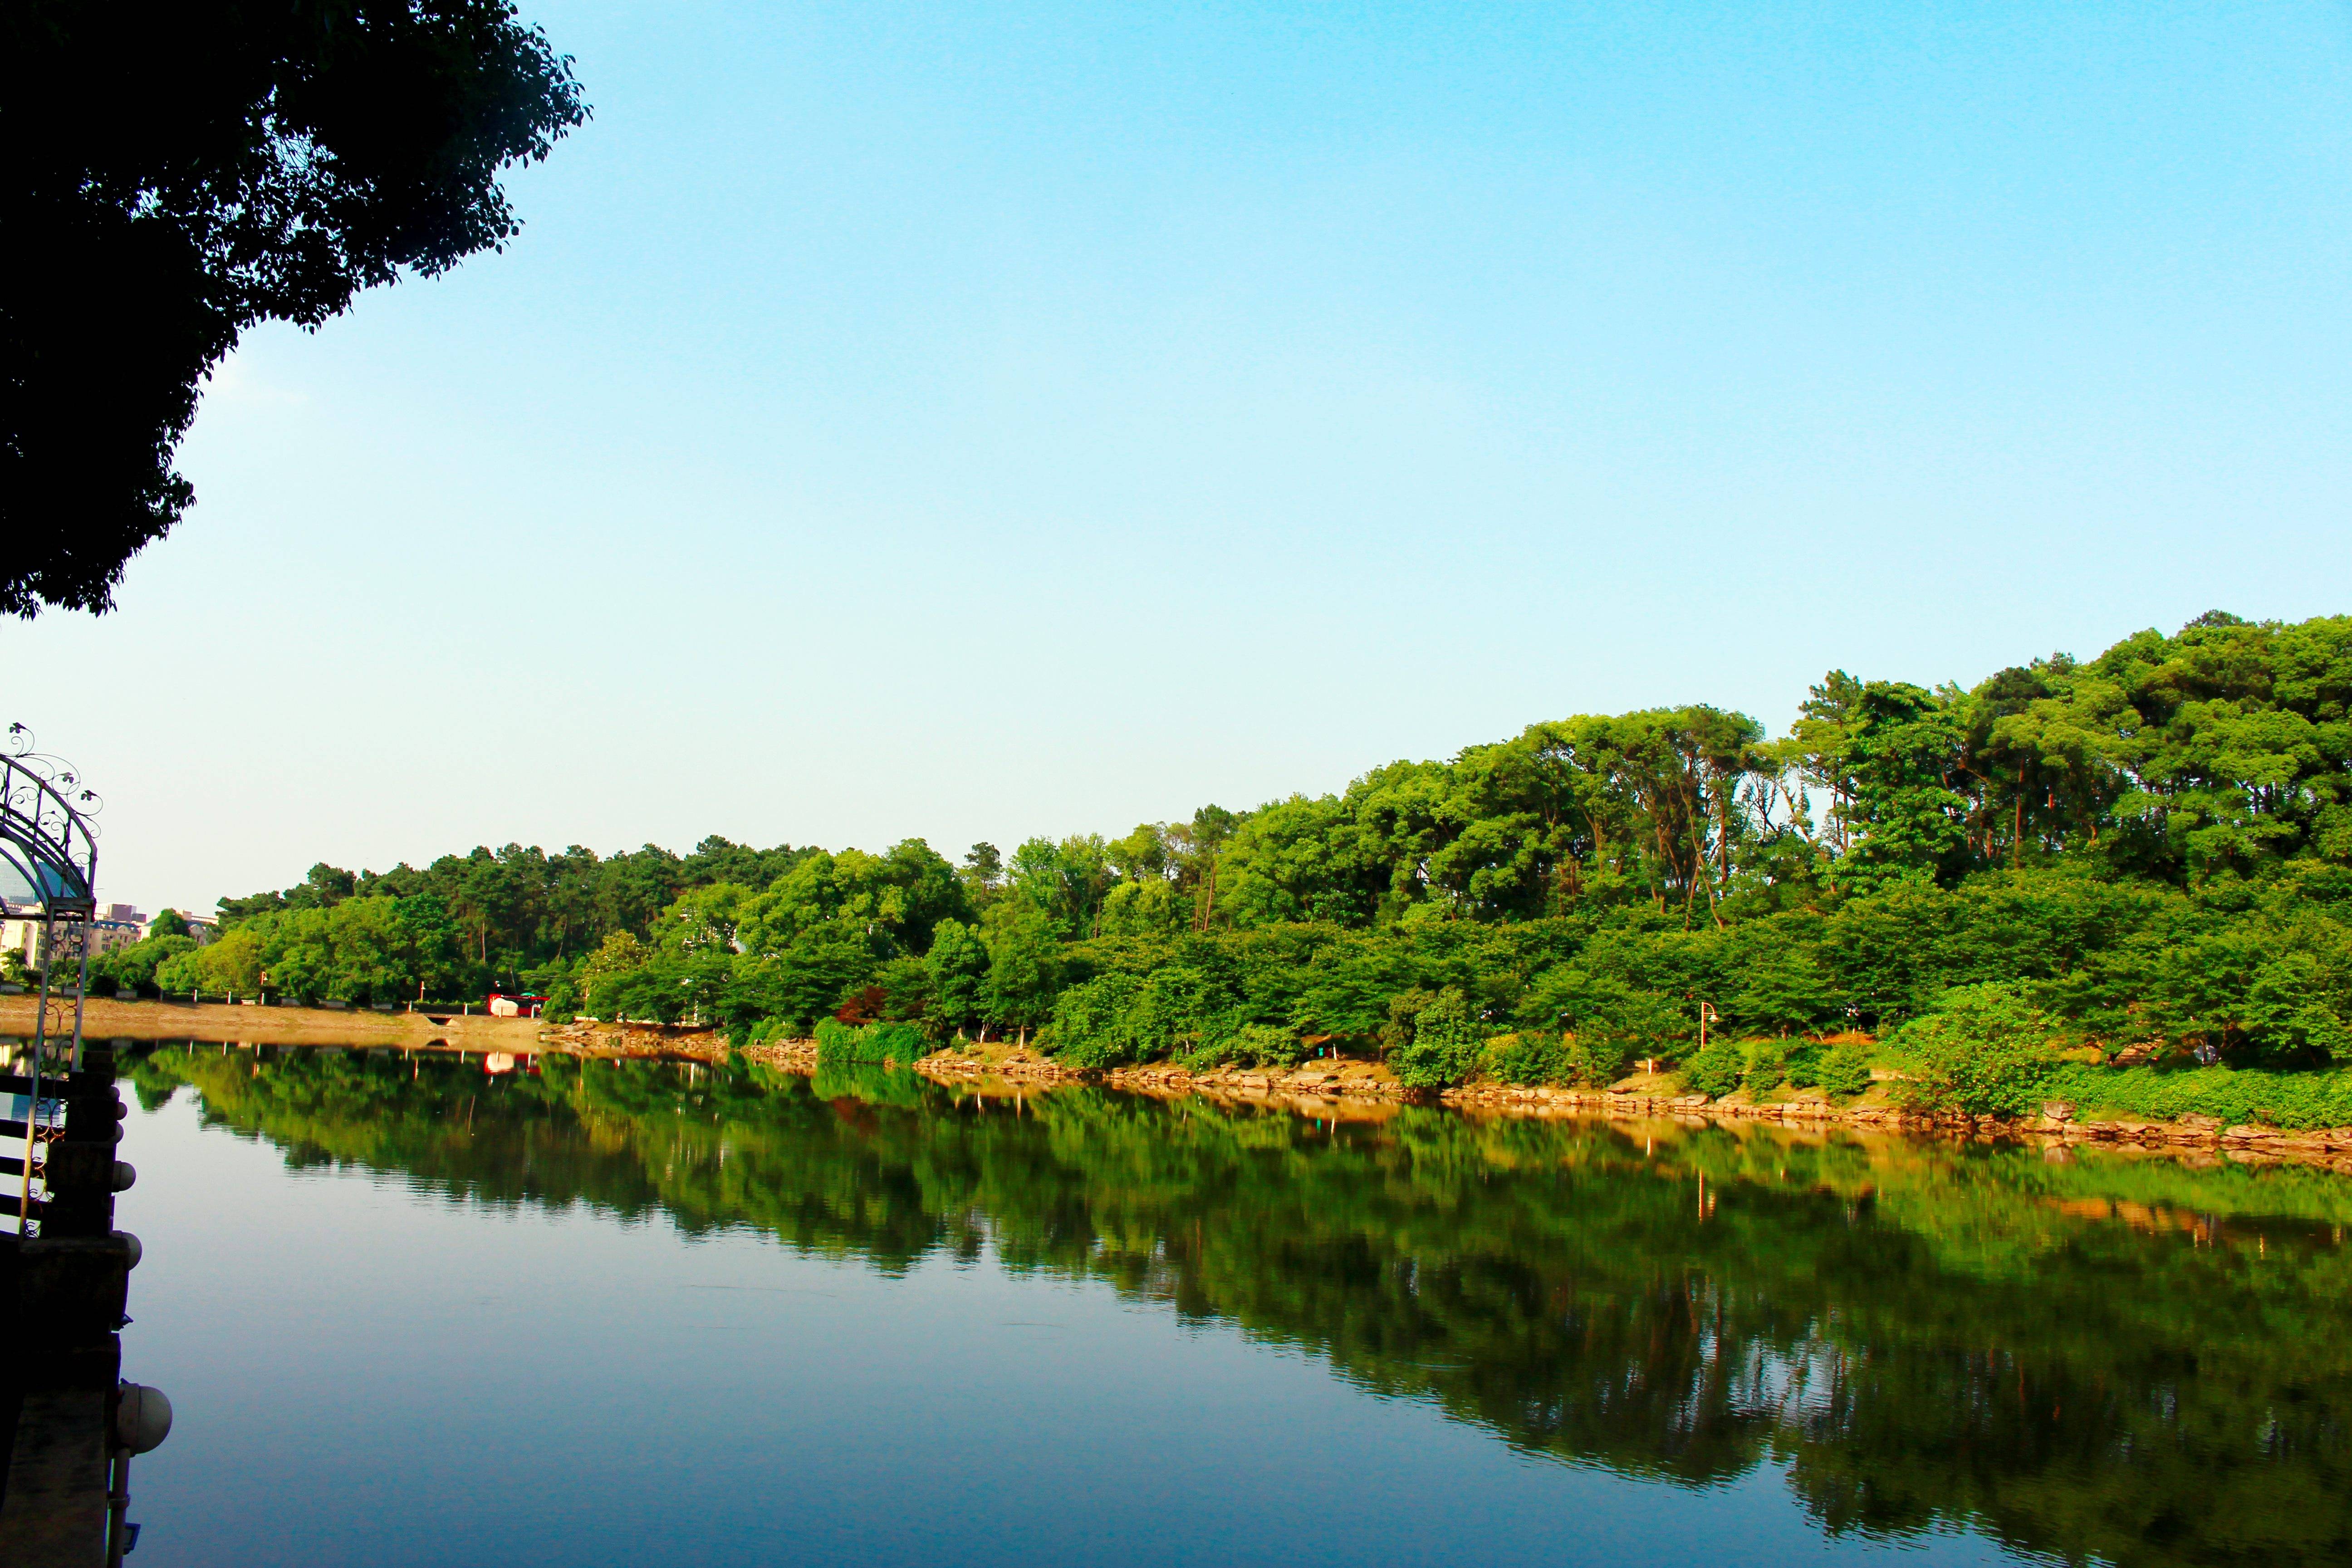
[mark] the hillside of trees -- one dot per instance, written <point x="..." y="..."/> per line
<point x="2149" y="853"/>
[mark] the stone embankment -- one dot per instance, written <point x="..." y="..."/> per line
<point x="1318" y="1085"/>
<point x="1332" y="1087"/>
<point x="2057" y="1126"/>
<point x="2058" y="1123"/>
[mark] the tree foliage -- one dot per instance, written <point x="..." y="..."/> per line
<point x="2152" y="850"/>
<point x="179" y="174"/>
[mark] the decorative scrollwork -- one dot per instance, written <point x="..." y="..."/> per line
<point x="55" y="771"/>
<point x="45" y="831"/>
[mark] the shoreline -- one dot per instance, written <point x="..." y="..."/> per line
<point x="2330" y="1148"/>
<point x="1353" y="1090"/>
<point x="1345" y="1089"/>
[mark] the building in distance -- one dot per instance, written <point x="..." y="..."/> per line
<point x="117" y="925"/>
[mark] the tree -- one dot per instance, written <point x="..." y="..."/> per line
<point x="1902" y="755"/>
<point x="1611" y="1022"/>
<point x="1197" y="846"/>
<point x="1065" y="881"/>
<point x="134" y="966"/>
<point x="959" y="963"/>
<point x="1024" y="967"/>
<point x="891" y="900"/>
<point x="1301" y="859"/>
<point x="983" y="873"/>
<point x="178" y="173"/>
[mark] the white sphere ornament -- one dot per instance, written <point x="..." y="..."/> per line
<point x="142" y="1417"/>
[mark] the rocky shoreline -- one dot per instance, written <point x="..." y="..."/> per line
<point x="1318" y="1086"/>
<point x="2058" y="1123"/>
<point x="1344" y="1085"/>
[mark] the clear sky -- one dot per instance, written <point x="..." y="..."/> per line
<point x="967" y="421"/>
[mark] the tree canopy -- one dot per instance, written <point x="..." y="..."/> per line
<point x="178" y="173"/>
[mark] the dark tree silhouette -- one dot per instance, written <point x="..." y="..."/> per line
<point x="177" y="173"/>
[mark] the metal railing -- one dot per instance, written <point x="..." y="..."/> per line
<point x="43" y="1067"/>
<point x="47" y="838"/>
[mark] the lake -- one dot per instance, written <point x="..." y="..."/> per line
<point x="633" y="1312"/>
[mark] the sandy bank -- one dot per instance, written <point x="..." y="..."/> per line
<point x="219" y="1023"/>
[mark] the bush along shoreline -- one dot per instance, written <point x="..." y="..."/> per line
<point x="2147" y="1114"/>
<point x="2123" y="883"/>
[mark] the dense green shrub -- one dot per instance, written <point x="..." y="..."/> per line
<point x="838" y="1043"/>
<point x="1593" y="1060"/>
<point x="1984" y="1050"/>
<point x="1843" y="1070"/>
<point x="1253" y="1046"/>
<point x="1768" y="1065"/>
<point x="1173" y="1010"/>
<point x="2233" y="1094"/>
<point x="1605" y="1002"/>
<point x="1094" y="1024"/>
<point x="133" y="967"/>
<point x="1530" y="1057"/>
<point x="1717" y="1069"/>
<point x="1444" y="1045"/>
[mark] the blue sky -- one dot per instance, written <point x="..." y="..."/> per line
<point x="968" y="421"/>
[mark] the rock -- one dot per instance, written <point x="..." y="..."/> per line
<point x="2058" y="1111"/>
<point x="2201" y="1123"/>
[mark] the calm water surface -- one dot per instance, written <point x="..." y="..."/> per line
<point x="645" y="1312"/>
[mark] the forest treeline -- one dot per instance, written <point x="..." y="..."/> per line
<point x="2151" y="849"/>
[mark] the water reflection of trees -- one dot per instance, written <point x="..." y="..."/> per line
<point x="2135" y="1362"/>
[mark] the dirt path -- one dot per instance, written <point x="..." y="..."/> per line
<point x="216" y="1022"/>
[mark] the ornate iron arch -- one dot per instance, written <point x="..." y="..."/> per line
<point x="45" y="832"/>
<point x="47" y="838"/>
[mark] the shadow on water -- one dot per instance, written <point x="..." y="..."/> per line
<point x="2105" y="1358"/>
